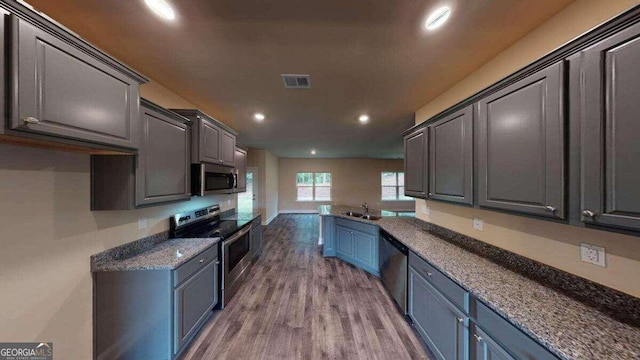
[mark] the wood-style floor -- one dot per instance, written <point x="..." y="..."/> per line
<point x="296" y="304"/>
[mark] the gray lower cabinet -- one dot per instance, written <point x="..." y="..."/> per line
<point x="4" y="17"/>
<point x="455" y="325"/>
<point x="212" y="141"/>
<point x="241" y="169"/>
<point x="608" y="95"/>
<point x="154" y="314"/>
<point x="255" y="234"/>
<point x="521" y="146"/>
<point x="415" y="164"/>
<point x="357" y="243"/>
<point x="62" y="91"/>
<point x="193" y="302"/>
<point x="160" y="173"/>
<point x="440" y="323"/>
<point x="451" y="157"/>
<point x="485" y="348"/>
<point x="328" y="236"/>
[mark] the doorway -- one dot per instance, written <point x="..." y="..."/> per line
<point x="248" y="200"/>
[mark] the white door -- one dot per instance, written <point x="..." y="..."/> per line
<point x="248" y="200"/>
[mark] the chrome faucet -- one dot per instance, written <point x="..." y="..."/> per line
<point x="366" y="207"/>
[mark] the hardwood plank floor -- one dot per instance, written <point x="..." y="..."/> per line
<point x="295" y="304"/>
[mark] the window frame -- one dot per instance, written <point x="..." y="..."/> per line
<point x="313" y="186"/>
<point x="397" y="186"/>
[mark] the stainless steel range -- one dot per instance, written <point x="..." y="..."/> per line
<point x="234" y="247"/>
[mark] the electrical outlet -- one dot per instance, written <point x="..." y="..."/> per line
<point x="228" y="201"/>
<point x="592" y="254"/>
<point x="478" y="224"/>
<point x="424" y="209"/>
<point x="142" y="223"/>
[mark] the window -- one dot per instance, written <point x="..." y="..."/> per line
<point x="393" y="186"/>
<point x="312" y="186"/>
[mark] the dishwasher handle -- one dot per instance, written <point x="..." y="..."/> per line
<point x="393" y="241"/>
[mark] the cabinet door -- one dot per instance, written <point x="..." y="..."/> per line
<point x="610" y="149"/>
<point x="241" y="168"/>
<point x="485" y="348"/>
<point x="451" y="157"/>
<point x="163" y="167"/>
<point x="521" y="146"/>
<point x="438" y="321"/>
<point x="415" y="164"/>
<point x="3" y="62"/>
<point x="193" y="303"/>
<point x="62" y="91"/>
<point x="227" y="148"/>
<point x="366" y="250"/>
<point x="209" y="142"/>
<point x="344" y="242"/>
<point x="328" y="236"/>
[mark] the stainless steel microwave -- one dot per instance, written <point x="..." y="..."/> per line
<point x="209" y="179"/>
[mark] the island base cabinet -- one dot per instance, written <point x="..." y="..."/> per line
<point x="438" y="321"/>
<point x="357" y="244"/>
<point x="328" y="236"/>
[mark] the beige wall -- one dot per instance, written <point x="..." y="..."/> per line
<point x="48" y="235"/>
<point x="267" y="165"/>
<point x="547" y="242"/>
<point x="353" y="181"/>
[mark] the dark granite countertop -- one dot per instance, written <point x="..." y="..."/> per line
<point x="243" y="217"/>
<point x="569" y="328"/>
<point x="166" y="255"/>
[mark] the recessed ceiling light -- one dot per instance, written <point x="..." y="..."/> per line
<point x="364" y="119"/>
<point x="437" y="18"/>
<point x="313" y="152"/>
<point x="161" y="8"/>
<point x="258" y="116"/>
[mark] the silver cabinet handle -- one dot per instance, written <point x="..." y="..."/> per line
<point x="31" y="120"/>
<point x="429" y="274"/>
<point x="460" y="320"/>
<point x="217" y="262"/>
<point x="430" y="194"/>
<point x="550" y="209"/>
<point x="588" y="213"/>
<point x="478" y="338"/>
<point x="201" y="261"/>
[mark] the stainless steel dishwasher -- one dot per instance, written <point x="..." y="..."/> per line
<point x="393" y="268"/>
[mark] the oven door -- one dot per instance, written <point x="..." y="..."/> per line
<point x="236" y="259"/>
<point x="211" y="179"/>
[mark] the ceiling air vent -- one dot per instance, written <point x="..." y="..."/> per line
<point x="296" y="81"/>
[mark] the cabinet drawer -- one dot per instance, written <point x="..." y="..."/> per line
<point x="446" y="286"/>
<point x="192" y="266"/>
<point x="510" y="337"/>
<point x="356" y="225"/>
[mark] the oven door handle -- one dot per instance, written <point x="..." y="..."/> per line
<point x="237" y="236"/>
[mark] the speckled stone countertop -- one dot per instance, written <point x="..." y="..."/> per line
<point x="567" y="327"/>
<point x="162" y="256"/>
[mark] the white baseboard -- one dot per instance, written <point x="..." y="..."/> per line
<point x="270" y="219"/>
<point x="298" y="211"/>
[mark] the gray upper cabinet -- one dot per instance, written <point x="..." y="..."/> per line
<point x="163" y="167"/>
<point x="211" y="141"/>
<point x="451" y="157"/>
<point x="241" y="168"/>
<point x="61" y="90"/>
<point x="227" y="148"/>
<point x="160" y="172"/>
<point x="415" y="163"/>
<point x="608" y="94"/>
<point x="521" y="146"/>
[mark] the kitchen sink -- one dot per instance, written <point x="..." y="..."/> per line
<point x="354" y="214"/>
<point x="371" y="217"/>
